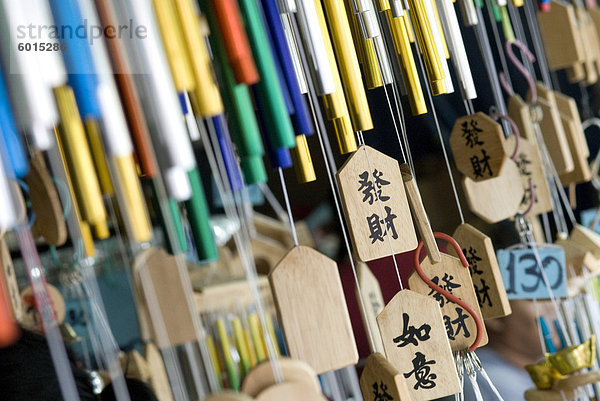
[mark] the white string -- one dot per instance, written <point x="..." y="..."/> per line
<point x="499" y="47"/>
<point x="233" y="203"/>
<point x="538" y="324"/>
<point x="288" y="206"/>
<point x="439" y="132"/>
<point x="475" y="386"/>
<point x="530" y="16"/>
<point x="273" y="202"/>
<point x="56" y="345"/>
<point x="389" y="103"/>
<point x="331" y="170"/>
<point x="490" y="383"/>
<point x="532" y="245"/>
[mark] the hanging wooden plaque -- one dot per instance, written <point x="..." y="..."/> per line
<point x="529" y="162"/>
<point x="498" y="198"/>
<point x="373" y="301"/>
<point x="477" y="145"/>
<point x="369" y="175"/>
<point x="560" y="34"/>
<point x="158" y="374"/>
<point x="381" y="381"/>
<point x="30" y="317"/>
<point x="578" y="257"/>
<point x="553" y="131"/>
<point x="291" y="391"/>
<point x="312" y="310"/>
<point x="416" y="344"/>
<point x="576" y="139"/>
<point x="589" y="37"/>
<point x="520" y="113"/>
<point x="49" y="222"/>
<point x="261" y="376"/>
<point x="134" y="366"/>
<point x="9" y="277"/>
<point x="159" y="278"/>
<point x="586" y="238"/>
<point x="451" y="275"/>
<point x="485" y="273"/>
<point x="576" y="73"/>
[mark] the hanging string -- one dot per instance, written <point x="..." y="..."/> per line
<point x="476" y="363"/>
<point x="43" y="302"/>
<point x="331" y="170"/>
<point x="379" y="57"/>
<point x="288" y="206"/>
<point x="531" y="244"/>
<point x="233" y="203"/>
<point x="539" y="326"/>
<point x="530" y="16"/>
<point x="497" y="41"/>
<point x="483" y="43"/>
<point x="439" y="132"/>
<point x="519" y="33"/>
<point x="273" y="202"/>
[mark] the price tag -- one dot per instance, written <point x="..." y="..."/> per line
<point x="523" y="278"/>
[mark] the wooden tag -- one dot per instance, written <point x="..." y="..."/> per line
<point x="49" y="222"/>
<point x="576" y="138"/>
<point x="416" y="344"/>
<point x="381" y="381"/>
<point x="158" y="374"/>
<point x="553" y="131"/>
<point x="529" y="162"/>
<point x="291" y="391"/>
<point x="227" y="396"/>
<point x="485" y="273"/>
<point x="160" y="269"/>
<point x="519" y="111"/>
<point x="9" y="277"/>
<point x="586" y="238"/>
<point x="366" y="175"/>
<point x="456" y="279"/>
<point x="560" y="34"/>
<point x="373" y="300"/>
<point x="477" y="145"/>
<point x="589" y="37"/>
<point x="30" y="317"/>
<point x="577" y="257"/>
<point x="522" y="277"/>
<point x="576" y="73"/>
<point x="312" y="310"/>
<point x="261" y="376"/>
<point x="134" y="366"/>
<point x="419" y="213"/>
<point x="498" y="198"/>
